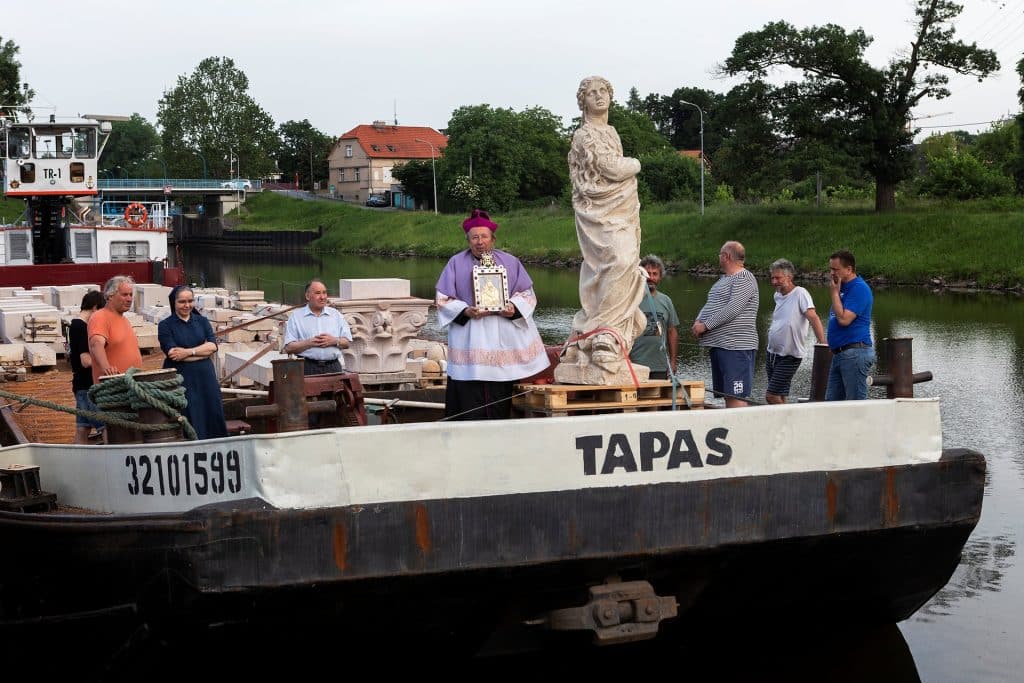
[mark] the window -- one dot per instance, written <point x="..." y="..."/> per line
<point x="128" y="252"/>
<point x="85" y="143"/>
<point x="18" y="143"/>
<point x="77" y="172"/>
<point x="375" y="148"/>
<point x="391" y="148"/>
<point x="18" y="247"/>
<point x="356" y="173"/>
<point x="348" y="151"/>
<point x="341" y="175"/>
<point x="83" y="245"/>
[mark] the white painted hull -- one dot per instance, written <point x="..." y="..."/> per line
<point x="402" y="463"/>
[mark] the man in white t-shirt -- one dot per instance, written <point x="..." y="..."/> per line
<point x="794" y="313"/>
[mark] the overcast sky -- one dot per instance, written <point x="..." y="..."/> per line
<point x="340" y="63"/>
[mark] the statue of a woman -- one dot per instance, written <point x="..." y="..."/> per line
<point x="607" y="209"/>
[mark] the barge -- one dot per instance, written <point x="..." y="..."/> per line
<point x="460" y="537"/>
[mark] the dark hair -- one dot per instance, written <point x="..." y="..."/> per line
<point x="652" y="260"/>
<point x="845" y="257"/>
<point x="93" y="299"/>
<point x="311" y="283"/>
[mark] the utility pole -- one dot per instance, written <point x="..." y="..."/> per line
<point x="701" y="112"/>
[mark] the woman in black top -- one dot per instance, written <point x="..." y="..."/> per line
<point x="81" y="363"/>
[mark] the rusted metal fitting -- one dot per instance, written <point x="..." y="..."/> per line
<point x="618" y="612"/>
<point x="20" y="490"/>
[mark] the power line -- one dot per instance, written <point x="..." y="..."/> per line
<point x="962" y="125"/>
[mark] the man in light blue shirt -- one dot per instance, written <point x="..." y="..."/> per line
<point x="317" y="332"/>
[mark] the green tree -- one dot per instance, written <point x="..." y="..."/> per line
<point x="509" y="155"/>
<point x="844" y="101"/>
<point x="303" y="152"/>
<point x="669" y="176"/>
<point x="1018" y="165"/>
<point x="13" y="93"/>
<point x="417" y="178"/>
<point x="211" y="113"/>
<point x="955" y="173"/>
<point x="132" y="148"/>
<point x="636" y="130"/>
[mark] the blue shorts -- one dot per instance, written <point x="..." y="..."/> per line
<point x="83" y="402"/>
<point x="732" y="372"/>
<point x="780" y="372"/>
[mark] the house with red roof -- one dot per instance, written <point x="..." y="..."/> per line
<point x="361" y="161"/>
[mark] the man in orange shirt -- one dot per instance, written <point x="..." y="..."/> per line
<point x="112" y="342"/>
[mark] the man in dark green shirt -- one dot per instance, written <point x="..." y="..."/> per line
<point x="660" y="334"/>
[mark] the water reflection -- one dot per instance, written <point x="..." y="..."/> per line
<point x="973" y="343"/>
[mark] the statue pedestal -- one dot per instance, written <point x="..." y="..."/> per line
<point x="381" y="331"/>
<point x="588" y="373"/>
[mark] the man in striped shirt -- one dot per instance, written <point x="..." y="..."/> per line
<point x="727" y="326"/>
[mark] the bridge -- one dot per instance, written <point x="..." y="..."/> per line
<point x="173" y="186"/>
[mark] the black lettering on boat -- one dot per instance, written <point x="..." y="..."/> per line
<point x="715" y="440"/>
<point x="690" y="455"/>
<point x="188" y="475"/>
<point x="133" y="485"/>
<point x="144" y="463"/>
<point x="217" y="467"/>
<point x="158" y="463"/>
<point x="649" y="451"/>
<point x="619" y="454"/>
<point x="235" y="468"/>
<point x="589" y="446"/>
<point x="200" y="468"/>
<point x="681" y="449"/>
<point x="173" y="475"/>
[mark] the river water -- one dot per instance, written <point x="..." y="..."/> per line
<point x="972" y="342"/>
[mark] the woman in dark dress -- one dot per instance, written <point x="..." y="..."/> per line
<point x="187" y="339"/>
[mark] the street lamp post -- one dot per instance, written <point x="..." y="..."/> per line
<point x="701" y="112"/>
<point x="164" y="164"/>
<point x="200" y="155"/>
<point x="433" y="170"/>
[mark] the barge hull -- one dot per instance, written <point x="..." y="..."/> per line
<point x="872" y="544"/>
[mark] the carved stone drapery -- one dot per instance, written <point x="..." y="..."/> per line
<point x="381" y="331"/>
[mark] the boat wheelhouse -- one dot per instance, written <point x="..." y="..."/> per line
<point x="52" y="164"/>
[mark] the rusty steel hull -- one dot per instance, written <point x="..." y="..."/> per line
<point x="868" y="545"/>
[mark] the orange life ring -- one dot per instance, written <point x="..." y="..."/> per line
<point x="135" y="214"/>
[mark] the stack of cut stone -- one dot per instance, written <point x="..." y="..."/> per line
<point x="149" y="307"/>
<point x="247" y="299"/>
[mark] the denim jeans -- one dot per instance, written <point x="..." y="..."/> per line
<point x="848" y="374"/>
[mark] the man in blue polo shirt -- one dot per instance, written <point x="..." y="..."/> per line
<point x="849" y="330"/>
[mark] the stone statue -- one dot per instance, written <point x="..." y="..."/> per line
<point x="607" y="208"/>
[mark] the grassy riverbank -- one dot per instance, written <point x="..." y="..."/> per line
<point x="968" y="243"/>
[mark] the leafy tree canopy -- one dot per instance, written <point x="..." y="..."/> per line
<point x="510" y="155"/>
<point x="303" y="152"/>
<point x="13" y="93"/>
<point x="417" y="177"/>
<point x="211" y="113"/>
<point x="132" y="149"/>
<point x="843" y="100"/>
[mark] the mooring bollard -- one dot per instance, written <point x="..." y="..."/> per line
<point x="116" y="433"/>
<point x="819" y="371"/>
<point x="288" y="405"/>
<point x="149" y="415"/>
<point x="900" y="379"/>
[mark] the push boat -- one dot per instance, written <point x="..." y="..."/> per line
<point x="69" y="232"/>
<point x="558" y="525"/>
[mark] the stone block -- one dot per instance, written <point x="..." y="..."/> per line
<point x="12" y="353"/>
<point x="261" y="372"/>
<point x="219" y="315"/>
<point x="46" y="294"/>
<point x="373" y="288"/>
<point x="39" y="355"/>
<point x="148" y="294"/>
<point x="8" y="292"/>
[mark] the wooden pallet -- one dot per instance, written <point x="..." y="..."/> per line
<point x="562" y="399"/>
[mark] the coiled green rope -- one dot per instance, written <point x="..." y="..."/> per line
<point x="167" y="396"/>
